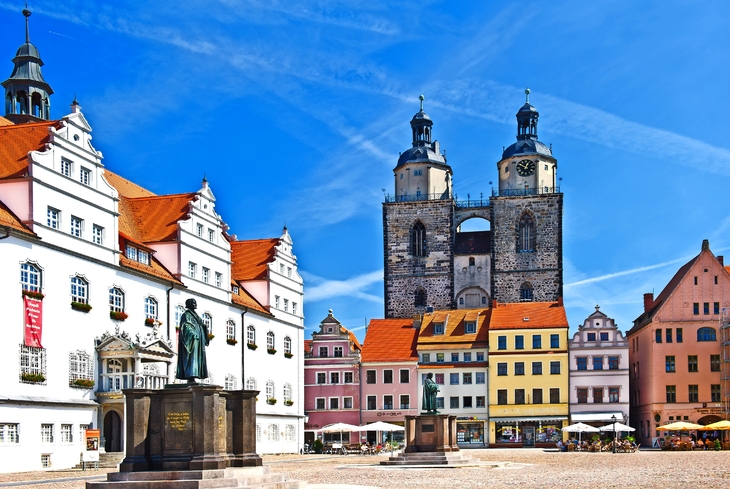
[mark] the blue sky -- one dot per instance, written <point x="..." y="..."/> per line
<point x="296" y="112"/>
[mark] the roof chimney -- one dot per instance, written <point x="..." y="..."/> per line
<point x="494" y="302"/>
<point x="417" y="320"/>
<point x="560" y="301"/>
<point x="721" y="260"/>
<point x="648" y="300"/>
<point x="705" y="245"/>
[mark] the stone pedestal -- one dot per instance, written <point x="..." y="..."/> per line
<point x="189" y="427"/>
<point x="431" y="433"/>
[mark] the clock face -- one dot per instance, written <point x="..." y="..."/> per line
<point x="525" y="168"/>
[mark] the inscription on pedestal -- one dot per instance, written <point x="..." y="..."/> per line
<point x="178" y="427"/>
<point x="427" y="428"/>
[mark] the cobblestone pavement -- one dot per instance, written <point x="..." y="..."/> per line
<point x="523" y="468"/>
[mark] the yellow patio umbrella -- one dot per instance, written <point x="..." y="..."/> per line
<point x="680" y="426"/>
<point x="718" y="425"/>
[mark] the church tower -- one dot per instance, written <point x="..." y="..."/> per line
<point x="527" y="219"/>
<point x="27" y="95"/>
<point x="418" y="228"/>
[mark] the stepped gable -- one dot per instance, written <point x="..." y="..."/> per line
<point x="156" y="218"/>
<point x="473" y="242"/>
<point x="524" y="315"/>
<point x="10" y="220"/>
<point x="16" y="141"/>
<point x="454" y="336"/>
<point x="353" y="339"/>
<point x="251" y="258"/>
<point x="390" y="340"/>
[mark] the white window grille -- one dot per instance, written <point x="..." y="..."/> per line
<point x="131" y="252"/>
<point x="290" y="433"/>
<point x="97" y="234"/>
<point x="116" y="300"/>
<point x="85" y="176"/>
<point x="66" y="167"/>
<point x="270" y="343"/>
<point x="258" y="432"/>
<point x="211" y="235"/>
<point x="30" y="277"/>
<point x="273" y="434"/>
<point x="287" y="392"/>
<point x="206" y="274"/>
<point x="286" y="305"/>
<point x="32" y="364"/>
<point x="230" y="330"/>
<point x="288" y="272"/>
<point x="76" y="226"/>
<point x="67" y="433"/>
<point x="250" y="384"/>
<point x="192" y="269"/>
<point x="276" y="301"/>
<point x="150" y="308"/>
<point x="179" y="310"/>
<point x="294" y="308"/>
<point x="251" y="334"/>
<point x="46" y="460"/>
<point x="218" y="279"/>
<point x="46" y="433"/>
<point x="53" y="218"/>
<point x="80" y="366"/>
<point x="231" y="383"/>
<point x="208" y="321"/>
<point x="143" y="257"/>
<point x="79" y="290"/>
<point x="287" y="344"/>
<point x="200" y="230"/>
<point x="82" y="431"/>
<point x="270" y="390"/>
<point x="9" y="433"/>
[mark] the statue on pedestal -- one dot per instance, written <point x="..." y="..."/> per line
<point x="430" y="388"/>
<point x="193" y="338"/>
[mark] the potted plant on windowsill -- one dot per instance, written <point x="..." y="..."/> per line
<point x="82" y="383"/>
<point x="32" y="378"/>
<point x="231" y="341"/>
<point x="271" y="351"/>
<point x="149" y="322"/>
<point x="118" y="315"/>
<point x="33" y="294"/>
<point x="288" y="354"/>
<point x="80" y="306"/>
<point x="210" y="336"/>
<point x="271" y="400"/>
<point x="251" y="346"/>
<point x="289" y="403"/>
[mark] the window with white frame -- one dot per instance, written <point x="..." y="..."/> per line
<point x="211" y="235"/>
<point x="250" y="384"/>
<point x="230" y="330"/>
<point x="287" y="392"/>
<point x="179" y="310"/>
<point x="320" y="403"/>
<point x="143" y="257"/>
<point x="65" y="168"/>
<point x="286" y="305"/>
<point x="45" y="460"/>
<point x="136" y="254"/>
<point x="290" y="433"/>
<point x="85" y="176"/>
<point x="251" y="335"/>
<point x="79" y="290"/>
<point x="281" y="268"/>
<point x="438" y="328"/>
<point x="97" y="234"/>
<point x="66" y="432"/>
<point x="218" y="279"/>
<point x="270" y="343"/>
<point x="192" y="269"/>
<point x="276" y="301"/>
<point x="273" y="432"/>
<point x="334" y="403"/>
<point x="288" y="272"/>
<point x="30" y="277"/>
<point x="347" y="402"/>
<point x="116" y="300"/>
<point x="231" y="383"/>
<point x="82" y="431"/>
<point x="258" y="432"/>
<point x="77" y="225"/>
<point x="32" y="363"/>
<point x="287" y="344"/>
<point x="131" y="252"/>
<point x="46" y="433"/>
<point x="150" y="308"/>
<point x="53" y="218"/>
<point x="80" y="366"/>
<point x="337" y="351"/>
<point x="293" y="307"/>
<point x="200" y="230"/>
<point x="270" y="389"/>
<point x="234" y="289"/>
<point x="208" y="321"/>
<point x="206" y="274"/>
<point x="9" y="433"/>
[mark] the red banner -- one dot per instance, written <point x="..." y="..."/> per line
<point x="33" y="321"/>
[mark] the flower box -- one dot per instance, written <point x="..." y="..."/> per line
<point x="251" y="346"/>
<point x="288" y="355"/>
<point x="83" y="383"/>
<point x="271" y="351"/>
<point x="149" y="322"/>
<point x="80" y="306"/>
<point x="210" y="336"/>
<point x="288" y="403"/>
<point x="34" y="295"/>
<point x="32" y="378"/>
<point x="271" y="401"/>
<point x="118" y="315"/>
<point x="231" y="341"/>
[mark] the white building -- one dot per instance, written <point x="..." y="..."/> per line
<point x="107" y="267"/>
<point x="599" y="372"/>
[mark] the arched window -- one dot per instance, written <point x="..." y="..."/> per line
<point x="287" y="392"/>
<point x="418" y="239"/>
<point x="179" y="310"/>
<point x="526" y="234"/>
<point x="706" y="334"/>
<point x="208" y="321"/>
<point x="79" y="290"/>
<point x="287" y="344"/>
<point x="230" y="330"/>
<point x="251" y="335"/>
<point x="231" y="383"/>
<point x="526" y="292"/>
<point x="80" y="367"/>
<point x="270" y="390"/>
<point x="30" y="277"/>
<point x="116" y="300"/>
<point x="150" y="308"/>
<point x="250" y="384"/>
<point x="270" y="343"/>
<point x="290" y="433"/>
<point x="472" y="261"/>
<point x="273" y="432"/>
<point x="420" y="297"/>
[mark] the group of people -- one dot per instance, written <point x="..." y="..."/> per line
<point x="704" y="442"/>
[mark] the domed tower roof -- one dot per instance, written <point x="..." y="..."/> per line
<point x="423" y="149"/>
<point x="527" y="143"/>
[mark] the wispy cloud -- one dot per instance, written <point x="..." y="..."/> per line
<point x="610" y="276"/>
<point x="324" y="289"/>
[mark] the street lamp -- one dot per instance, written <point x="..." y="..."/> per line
<point x="613" y="418"/>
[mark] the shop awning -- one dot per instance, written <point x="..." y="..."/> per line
<point x="528" y="418"/>
<point x="600" y="417"/>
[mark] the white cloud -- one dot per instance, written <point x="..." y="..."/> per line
<point x="324" y="289"/>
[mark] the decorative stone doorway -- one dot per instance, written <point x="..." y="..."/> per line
<point x="112" y="432"/>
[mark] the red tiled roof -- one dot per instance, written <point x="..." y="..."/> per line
<point x="5" y="122"/>
<point x="352" y="337"/>
<point x="251" y="258"/>
<point x="538" y="314"/>
<point x="245" y="299"/>
<point x="154" y="219"/>
<point x="390" y="340"/>
<point x="454" y="334"/>
<point x="154" y="268"/>
<point x="125" y="187"/>
<point x="9" y="219"/>
<point x="16" y="141"/>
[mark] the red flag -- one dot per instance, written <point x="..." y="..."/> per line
<point x="33" y="321"/>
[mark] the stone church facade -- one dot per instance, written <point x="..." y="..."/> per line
<point x="430" y="263"/>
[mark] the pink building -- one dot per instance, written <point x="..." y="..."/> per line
<point x="331" y="379"/>
<point x="674" y="349"/>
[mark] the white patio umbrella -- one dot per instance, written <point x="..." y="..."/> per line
<point x="383" y="426"/>
<point x="580" y="428"/>
<point x="619" y="427"/>
<point x="339" y="428"/>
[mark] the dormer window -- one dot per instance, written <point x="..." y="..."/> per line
<point x="470" y="328"/>
<point x="438" y="328"/>
<point x="235" y="289"/>
<point x="135" y="254"/>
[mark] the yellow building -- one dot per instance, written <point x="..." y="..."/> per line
<point x="528" y="374"/>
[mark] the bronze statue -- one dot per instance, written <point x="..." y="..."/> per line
<point x="430" y="388"/>
<point x="193" y="338"/>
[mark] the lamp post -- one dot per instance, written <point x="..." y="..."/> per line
<point x="613" y="418"/>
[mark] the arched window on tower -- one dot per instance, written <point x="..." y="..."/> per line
<point x="420" y="298"/>
<point x="526" y="234"/>
<point x="472" y="261"/>
<point x="526" y="292"/>
<point x="418" y="239"/>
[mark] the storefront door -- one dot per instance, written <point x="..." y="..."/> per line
<point x="529" y="436"/>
